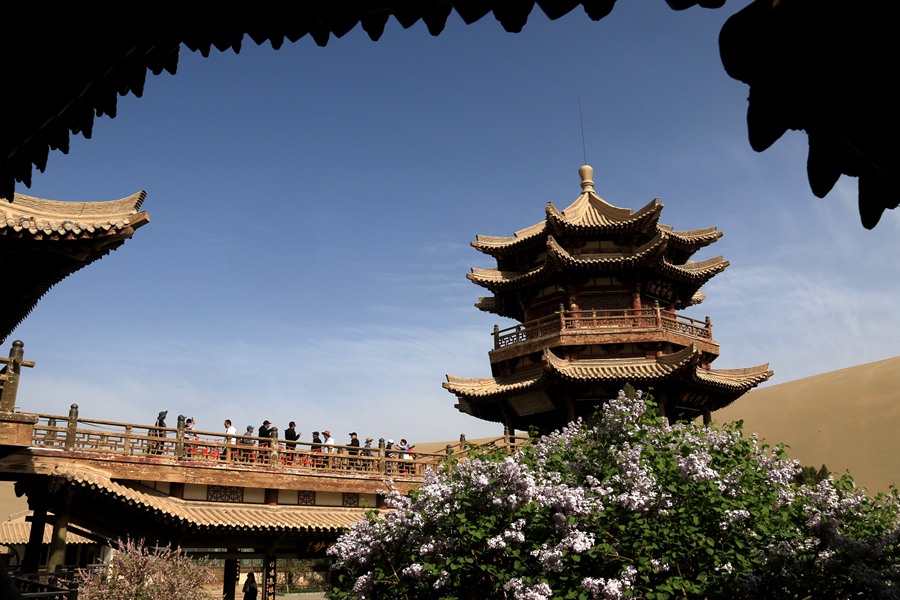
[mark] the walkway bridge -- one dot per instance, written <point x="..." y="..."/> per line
<point x="225" y="497"/>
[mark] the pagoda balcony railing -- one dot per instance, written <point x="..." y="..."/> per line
<point x="128" y="441"/>
<point x="601" y="321"/>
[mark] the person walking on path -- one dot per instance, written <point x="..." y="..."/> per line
<point x="250" y="588"/>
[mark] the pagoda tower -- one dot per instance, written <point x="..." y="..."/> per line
<point x="595" y="289"/>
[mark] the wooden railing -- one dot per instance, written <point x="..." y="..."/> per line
<point x="601" y="321"/>
<point x="110" y="438"/>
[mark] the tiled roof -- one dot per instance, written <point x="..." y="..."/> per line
<point x="51" y="219"/>
<point x="682" y="364"/>
<point x="558" y="259"/>
<point x="18" y="532"/>
<point x="493" y="386"/>
<point x="693" y="271"/>
<point x="733" y="380"/>
<point x="216" y="515"/>
<point x="591" y="212"/>
<point x="623" y="369"/>
<point x="44" y="241"/>
<point x="690" y="240"/>
<point x="606" y="261"/>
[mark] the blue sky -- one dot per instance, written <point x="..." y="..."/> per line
<point x="311" y="212"/>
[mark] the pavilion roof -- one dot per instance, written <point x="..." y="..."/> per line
<point x="17" y="532"/>
<point x="44" y="241"/>
<point x="682" y="364"/>
<point x="214" y="515"/>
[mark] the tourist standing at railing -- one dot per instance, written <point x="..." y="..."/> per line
<point x="329" y="443"/>
<point x="245" y="454"/>
<point x="189" y="435"/>
<point x="353" y="450"/>
<point x="405" y="455"/>
<point x="265" y="432"/>
<point x="291" y="435"/>
<point x="230" y="439"/>
<point x="158" y="431"/>
<point x="367" y="447"/>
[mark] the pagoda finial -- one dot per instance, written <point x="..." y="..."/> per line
<point x="587" y="178"/>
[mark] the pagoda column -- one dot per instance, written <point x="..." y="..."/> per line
<point x="57" y="555"/>
<point x="32" y="559"/>
<point x="636" y="296"/>
<point x="230" y="576"/>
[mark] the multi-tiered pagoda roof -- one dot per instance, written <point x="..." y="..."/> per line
<point x="594" y="289"/>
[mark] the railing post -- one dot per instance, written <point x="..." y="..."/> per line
<point x="449" y="449"/>
<point x="127" y="447"/>
<point x="273" y="447"/>
<point x="562" y="317"/>
<point x="11" y="385"/>
<point x="658" y="314"/>
<point x="708" y="327"/>
<point x="381" y="462"/>
<point x="496" y="336"/>
<point x="462" y="439"/>
<point x="179" y="437"/>
<point x="71" y="427"/>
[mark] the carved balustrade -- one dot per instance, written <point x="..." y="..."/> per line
<point x="601" y="321"/>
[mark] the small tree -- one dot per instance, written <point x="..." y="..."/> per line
<point x="137" y="572"/>
<point x="628" y="507"/>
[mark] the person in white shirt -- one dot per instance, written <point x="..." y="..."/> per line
<point x="230" y="432"/>
<point x="329" y="442"/>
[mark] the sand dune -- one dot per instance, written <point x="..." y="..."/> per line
<point x="848" y="420"/>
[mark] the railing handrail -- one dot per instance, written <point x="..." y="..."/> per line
<point x="114" y="438"/>
<point x="600" y="319"/>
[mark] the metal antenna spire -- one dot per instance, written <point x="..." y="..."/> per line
<point x="583" y="147"/>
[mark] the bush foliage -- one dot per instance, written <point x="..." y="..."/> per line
<point x="628" y="506"/>
<point x="138" y="572"/>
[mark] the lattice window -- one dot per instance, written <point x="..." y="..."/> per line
<point x="224" y="493"/>
<point x="306" y="498"/>
<point x="603" y="302"/>
<point x="350" y="500"/>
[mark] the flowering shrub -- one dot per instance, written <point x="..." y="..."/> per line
<point x="626" y="507"/>
<point x="137" y="572"/>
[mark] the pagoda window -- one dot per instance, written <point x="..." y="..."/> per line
<point x="600" y="301"/>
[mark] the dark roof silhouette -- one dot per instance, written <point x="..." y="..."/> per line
<point x="816" y="65"/>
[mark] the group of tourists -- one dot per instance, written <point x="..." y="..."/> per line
<point x="247" y="444"/>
